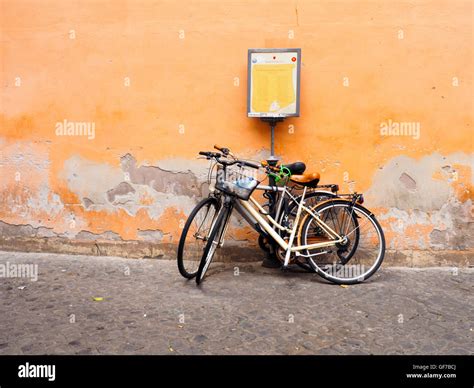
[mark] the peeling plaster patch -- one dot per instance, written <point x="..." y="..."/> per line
<point x="150" y="235"/>
<point x="25" y="190"/>
<point x="24" y="154"/>
<point x="423" y="212"/>
<point x="90" y="180"/>
<point x="46" y="202"/>
<point x="178" y="183"/>
<point x="198" y="167"/>
<point x="408" y="181"/>
<point x="45" y="232"/>
<point x="122" y="189"/>
<point x="85" y="235"/>
<point x="446" y="169"/>
<point x="11" y="230"/>
<point x="448" y="172"/>
<point x="158" y="202"/>
<point x="399" y="221"/>
<point x="439" y="237"/>
<point x="162" y="201"/>
<point x="457" y="233"/>
<point x="429" y="195"/>
<point x="407" y="217"/>
<point x="102" y="187"/>
<point x="87" y="202"/>
<point x="452" y="226"/>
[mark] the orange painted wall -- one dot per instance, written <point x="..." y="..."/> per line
<point x="163" y="80"/>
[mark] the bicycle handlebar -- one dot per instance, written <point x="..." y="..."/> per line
<point x="224" y="150"/>
<point x="278" y="172"/>
<point x="217" y="156"/>
<point x="249" y="164"/>
<point x="210" y="154"/>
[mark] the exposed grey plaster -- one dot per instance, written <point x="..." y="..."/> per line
<point x="9" y="230"/>
<point x="12" y="230"/>
<point x="87" y="202"/>
<point x="90" y="180"/>
<point x="46" y="201"/>
<point x="23" y="155"/>
<point x="45" y="232"/>
<point x="150" y="235"/>
<point x="394" y="185"/>
<point x="458" y="234"/>
<point x="179" y="183"/>
<point x="104" y="188"/>
<point x="409" y="190"/>
<point x="85" y="235"/>
<point x="408" y="182"/>
<point x="123" y="188"/>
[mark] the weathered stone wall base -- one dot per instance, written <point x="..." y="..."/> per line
<point x="147" y="250"/>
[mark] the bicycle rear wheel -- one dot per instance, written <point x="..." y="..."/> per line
<point x="195" y="235"/>
<point x="360" y="254"/>
<point x="215" y="236"/>
<point x="312" y="198"/>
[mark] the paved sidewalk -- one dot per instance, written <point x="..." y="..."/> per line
<point x="260" y="311"/>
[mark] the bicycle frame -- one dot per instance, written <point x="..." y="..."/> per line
<point x="287" y="215"/>
<point x="254" y="210"/>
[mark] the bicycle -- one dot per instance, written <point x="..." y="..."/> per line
<point x="317" y="240"/>
<point x="198" y="223"/>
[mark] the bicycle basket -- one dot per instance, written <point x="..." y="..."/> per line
<point x="238" y="182"/>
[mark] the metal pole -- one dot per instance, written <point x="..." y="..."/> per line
<point x="272" y="161"/>
<point x="272" y="147"/>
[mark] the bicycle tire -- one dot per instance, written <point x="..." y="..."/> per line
<point x="356" y="241"/>
<point x="375" y="223"/>
<point x="211" y="245"/>
<point x="186" y="273"/>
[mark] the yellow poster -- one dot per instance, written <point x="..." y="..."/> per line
<point x="272" y="87"/>
<point x="273" y="82"/>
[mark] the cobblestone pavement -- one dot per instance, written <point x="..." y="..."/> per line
<point x="260" y="311"/>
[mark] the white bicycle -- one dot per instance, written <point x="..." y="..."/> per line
<point x="335" y="236"/>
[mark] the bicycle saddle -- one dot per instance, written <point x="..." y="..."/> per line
<point x="295" y="168"/>
<point x="310" y="179"/>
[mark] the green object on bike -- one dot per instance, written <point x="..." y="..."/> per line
<point x="282" y="174"/>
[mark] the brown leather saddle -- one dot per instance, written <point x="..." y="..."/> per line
<point x="309" y="179"/>
<point x="297" y="169"/>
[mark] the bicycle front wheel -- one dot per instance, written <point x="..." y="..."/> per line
<point x="194" y="237"/>
<point x="213" y="242"/>
<point x="362" y="250"/>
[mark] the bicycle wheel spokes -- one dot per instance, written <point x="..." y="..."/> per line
<point x="311" y="200"/>
<point x="360" y="253"/>
<point x="195" y="235"/>
<point x="215" y="235"/>
<point x="202" y="223"/>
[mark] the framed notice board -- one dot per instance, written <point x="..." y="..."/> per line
<point x="273" y="83"/>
